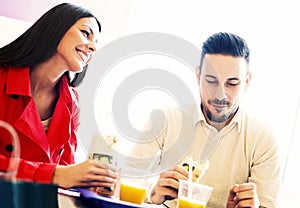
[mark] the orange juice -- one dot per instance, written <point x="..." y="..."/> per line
<point x="184" y="202"/>
<point x="132" y="194"/>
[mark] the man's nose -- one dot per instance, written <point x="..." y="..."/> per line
<point x="220" y="93"/>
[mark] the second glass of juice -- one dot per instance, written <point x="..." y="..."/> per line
<point x="193" y="195"/>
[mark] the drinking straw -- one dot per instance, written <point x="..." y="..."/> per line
<point x="190" y="179"/>
<point x="190" y="169"/>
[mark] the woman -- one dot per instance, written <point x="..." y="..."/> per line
<point x="39" y="100"/>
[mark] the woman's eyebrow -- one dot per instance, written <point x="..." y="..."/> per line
<point x="92" y="32"/>
<point x="89" y="28"/>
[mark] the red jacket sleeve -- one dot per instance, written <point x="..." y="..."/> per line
<point x="30" y="171"/>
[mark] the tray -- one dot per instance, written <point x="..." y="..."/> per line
<point x="99" y="201"/>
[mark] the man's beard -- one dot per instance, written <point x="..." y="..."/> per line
<point x="220" y="119"/>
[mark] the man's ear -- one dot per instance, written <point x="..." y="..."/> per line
<point x="198" y="74"/>
<point x="248" y="79"/>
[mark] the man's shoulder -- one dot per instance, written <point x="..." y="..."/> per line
<point x="248" y="118"/>
<point x="186" y="109"/>
<point x="254" y="125"/>
<point x="174" y="114"/>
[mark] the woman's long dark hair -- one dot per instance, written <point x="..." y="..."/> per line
<point x="40" y="41"/>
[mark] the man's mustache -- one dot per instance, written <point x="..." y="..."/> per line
<point x="218" y="102"/>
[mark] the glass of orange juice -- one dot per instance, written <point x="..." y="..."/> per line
<point x="133" y="190"/>
<point x="193" y="195"/>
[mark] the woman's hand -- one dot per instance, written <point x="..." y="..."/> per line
<point x="104" y="191"/>
<point x="86" y="174"/>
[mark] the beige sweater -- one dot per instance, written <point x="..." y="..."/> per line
<point x="246" y="151"/>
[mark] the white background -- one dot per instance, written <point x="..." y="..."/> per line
<point x="270" y="28"/>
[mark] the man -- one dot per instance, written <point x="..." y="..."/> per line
<point x="244" y="165"/>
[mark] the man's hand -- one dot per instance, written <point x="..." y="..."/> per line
<point x="167" y="184"/>
<point x="243" y="195"/>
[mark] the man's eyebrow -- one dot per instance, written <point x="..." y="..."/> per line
<point x="229" y="79"/>
<point x="210" y="76"/>
<point x="234" y="79"/>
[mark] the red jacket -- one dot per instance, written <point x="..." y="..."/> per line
<point x="39" y="152"/>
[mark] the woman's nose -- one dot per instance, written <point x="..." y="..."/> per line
<point x="92" y="48"/>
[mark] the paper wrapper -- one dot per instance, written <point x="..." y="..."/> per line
<point x="199" y="169"/>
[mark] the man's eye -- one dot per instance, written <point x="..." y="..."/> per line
<point x="86" y="33"/>
<point x="211" y="81"/>
<point x="233" y="84"/>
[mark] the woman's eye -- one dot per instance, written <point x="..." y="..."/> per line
<point x="86" y="33"/>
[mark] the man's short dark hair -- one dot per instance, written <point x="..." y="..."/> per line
<point x="225" y="44"/>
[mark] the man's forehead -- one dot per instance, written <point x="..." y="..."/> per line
<point x="219" y="65"/>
